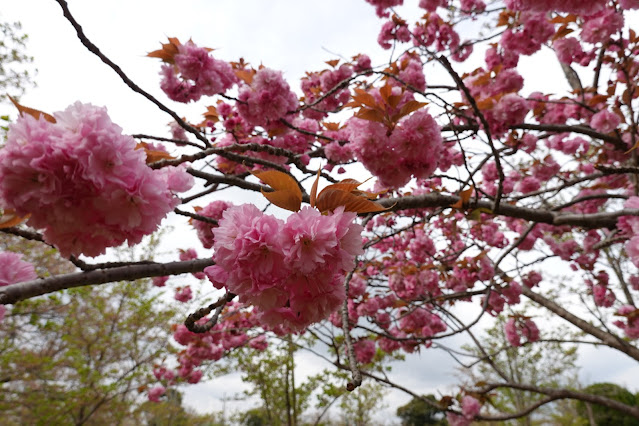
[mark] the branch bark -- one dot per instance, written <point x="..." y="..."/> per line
<point x="21" y="291"/>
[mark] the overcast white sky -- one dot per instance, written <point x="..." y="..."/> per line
<point x="292" y="36"/>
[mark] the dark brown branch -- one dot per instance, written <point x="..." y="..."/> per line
<point x="15" y="292"/>
<point x="607" y="339"/>
<point x="191" y="320"/>
<point x="94" y="49"/>
<point x="589" y="221"/>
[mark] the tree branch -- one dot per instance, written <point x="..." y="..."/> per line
<point x="15" y="292"/>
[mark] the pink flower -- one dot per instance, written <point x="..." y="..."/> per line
<point x="15" y="270"/>
<point x="259" y="343"/>
<point x="204" y="230"/>
<point x="183" y="294"/>
<point x="159" y="281"/>
<point x="83" y="182"/>
<point x="199" y="74"/>
<point x="470" y="407"/>
<point x="605" y="121"/>
<point x="291" y="272"/>
<point x="568" y="50"/>
<point x="516" y="329"/>
<point x="267" y="99"/>
<point x="382" y="5"/>
<point x="581" y="7"/>
<point x="364" y="351"/>
<point x="600" y="27"/>
<point x="156" y="392"/>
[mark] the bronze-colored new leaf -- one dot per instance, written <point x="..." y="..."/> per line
<point x="464" y="198"/>
<point x="9" y="218"/>
<point x="32" y="112"/>
<point x="168" y="51"/>
<point x="331" y="198"/>
<point x="287" y="193"/>
<point x="345" y="193"/>
<point x="153" y="155"/>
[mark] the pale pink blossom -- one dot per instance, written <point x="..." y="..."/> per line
<point x="605" y="121"/>
<point x="15" y="270"/>
<point x="267" y="99"/>
<point x="84" y="182"/>
<point x="156" y="392"/>
<point x="364" y="351"/>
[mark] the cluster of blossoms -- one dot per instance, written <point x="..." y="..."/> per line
<point x="194" y="73"/>
<point x="516" y="329"/>
<point x="267" y="99"/>
<point x="14" y="270"/>
<point x="84" y="182"/>
<point x="630" y="225"/>
<point x="412" y="149"/>
<point x="229" y="333"/>
<point x="317" y="84"/>
<point x="204" y="230"/>
<point x="291" y="272"/>
<point x="470" y="408"/>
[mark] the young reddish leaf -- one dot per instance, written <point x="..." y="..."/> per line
<point x="409" y="107"/>
<point x="210" y="115"/>
<point x="314" y="188"/>
<point x="394" y="100"/>
<point x="464" y="198"/>
<point x="32" y="112"/>
<point x="168" y="51"/>
<point x="331" y="198"/>
<point x="597" y="99"/>
<point x="9" y="218"/>
<point x="331" y="126"/>
<point x="153" y="155"/>
<point x="333" y="63"/>
<point x="362" y="97"/>
<point x="563" y="31"/>
<point x="245" y="75"/>
<point x="370" y="115"/>
<point x="386" y="91"/>
<point x="286" y="194"/>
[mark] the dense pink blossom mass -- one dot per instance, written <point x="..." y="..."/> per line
<point x="292" y="272"/>
<point x="501" y="139"/>
<point x="83" y="182"/>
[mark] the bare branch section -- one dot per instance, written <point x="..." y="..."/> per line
<point x="21" y="291"/>
<point x="607" y="338"/>
<point x="555" y="394"/>
<point x="589" y="221"/>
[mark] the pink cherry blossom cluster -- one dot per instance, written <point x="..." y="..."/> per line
<point x="470" y="408"/>
<point x="291" y="272"/>
<point x="631" y="326"/>
<point x="518" y="328"/>
<point x="14" y="270"/>
<point x="227" y="334"/>
<point x="441" y="35"/>
<point x="204" y="230"/>
<point x="84" y="182"/>
<point x="630" y="225"/>
<point x="267" y="99"/>
<point x="579" y="7"/>
<point x="317" y="84"/>
<point x="412" y="149"/>
<point x="195" y="73"/>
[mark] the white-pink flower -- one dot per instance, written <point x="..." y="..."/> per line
<point x="15" y="270"/>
